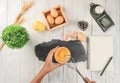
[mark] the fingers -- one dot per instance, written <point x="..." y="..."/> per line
<point x="87" y="80"/>
<point x="55" y="49"/>
<point x="93" y="82"/>
<point x="50" y="54"/>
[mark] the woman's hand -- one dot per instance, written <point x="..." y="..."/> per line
<point x="49" y="65"/>
<point x="88" y="80"/>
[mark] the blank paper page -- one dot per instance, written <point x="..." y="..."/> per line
<point x="100" y="50"/>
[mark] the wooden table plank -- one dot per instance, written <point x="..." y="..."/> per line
<point x="84" y="14"/>
<point x="12" y="60"/>
<point x="113" y="10"/>
<point x="112" y="31"/>
<point x="117" y="45"/>
<point x="40" y="6"/>
<point x="28" y="57"/>
<point x="33" y="14"/>
<point x="20" y="66"/>
<point x="73" y="10"/>
<point x="56" y="76"/>
<point x="3" y="14"/>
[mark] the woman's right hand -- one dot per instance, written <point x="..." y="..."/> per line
<point x="89" y="81"/>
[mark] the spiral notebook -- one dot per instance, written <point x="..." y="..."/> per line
<point x="100" y="50"/>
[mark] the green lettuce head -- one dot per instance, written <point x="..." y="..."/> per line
<point x="15" y="36"/>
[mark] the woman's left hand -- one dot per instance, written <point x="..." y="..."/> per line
<point x="49" y="65"/>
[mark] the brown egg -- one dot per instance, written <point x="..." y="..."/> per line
<point x="81" y="37"/>
<point x="54" y="13"/>
<point x="59" y="20"/>
<point x="50" y="19"/>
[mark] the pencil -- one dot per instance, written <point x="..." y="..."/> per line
<point x="106" y="66"/>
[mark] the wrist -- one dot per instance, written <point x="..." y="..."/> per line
<point x="39" y="76"/>
<point x="44" y="71"/>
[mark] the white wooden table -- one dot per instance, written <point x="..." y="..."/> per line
<point x="20" y="66"/>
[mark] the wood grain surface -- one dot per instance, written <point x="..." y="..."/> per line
<point x="21" y="65"/>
